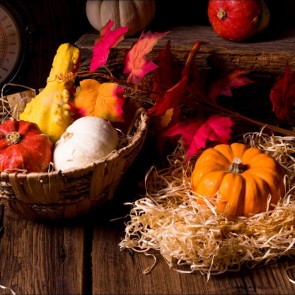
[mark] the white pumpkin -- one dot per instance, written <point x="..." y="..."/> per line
<point x="135" y="14"/>
<point x="86" y="140"/>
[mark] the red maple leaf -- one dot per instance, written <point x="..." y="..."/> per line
<point x="102" y="46"/>
<point x="195" y="133"/>
<point x="175" y="95"/>
<point x="136" y="63"/>
<point x="282" y="96"/>
<point x="223" y="85"/>
<point x="168" y="73"/>
<point x="171" y="98"/>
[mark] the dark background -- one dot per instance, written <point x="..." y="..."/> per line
<point x="58" y="21"/>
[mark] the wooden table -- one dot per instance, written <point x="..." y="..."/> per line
<point x="82" y="256"/>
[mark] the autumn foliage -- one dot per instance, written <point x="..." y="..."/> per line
<point x="177" y="93"/>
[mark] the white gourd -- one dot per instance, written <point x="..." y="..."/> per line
<point x="135" y="14"/>
<point x="86" y="140"/>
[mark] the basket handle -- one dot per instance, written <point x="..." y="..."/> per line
<point x="138" y="111"/>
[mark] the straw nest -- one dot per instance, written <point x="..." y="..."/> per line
<point x="192" y="237"/>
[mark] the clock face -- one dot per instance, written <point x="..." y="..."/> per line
<point x="10" y="45"/>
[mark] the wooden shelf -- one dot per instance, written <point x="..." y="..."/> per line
<point x="267" y="53"/>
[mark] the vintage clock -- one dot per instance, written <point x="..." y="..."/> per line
<point x="15" y="40"/>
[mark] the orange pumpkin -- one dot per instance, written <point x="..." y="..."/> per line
<point x="240" y="178"/>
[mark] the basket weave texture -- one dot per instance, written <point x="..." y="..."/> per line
<point x="68" y="194"/>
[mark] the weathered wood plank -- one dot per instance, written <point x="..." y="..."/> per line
<point x="42" y="259"/>
<point x="267" y="54"/>
<point x="121" y="272"/>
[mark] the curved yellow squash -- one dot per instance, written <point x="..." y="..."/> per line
<point x="50" y="109"/>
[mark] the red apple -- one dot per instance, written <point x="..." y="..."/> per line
<point x="238" y="20"/>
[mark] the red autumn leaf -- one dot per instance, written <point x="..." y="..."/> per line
<point x="282" y="96"/>
<point x="190" y="58"/>
<point x="175" y="95"/>
<point x="223" y="85"/>
<point x="195" y="133"/>
<point x="137" y="65"/>
<point x="102" y="46"/>
<point x="169" y="71"/>
<point x="170" y="100"/>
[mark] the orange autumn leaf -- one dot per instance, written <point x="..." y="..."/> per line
<point x="110" y="101"/>
<point x="86" y="96"/>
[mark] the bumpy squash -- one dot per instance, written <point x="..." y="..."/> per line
<point x="240" y="178"/>
<point x="50" y="109"/>
<point x="135" y="14"/>
<point x="23" y="147"/>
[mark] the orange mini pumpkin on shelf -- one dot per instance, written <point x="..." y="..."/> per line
<point x="240" y="178"/>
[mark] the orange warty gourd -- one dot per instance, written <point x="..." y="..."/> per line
<point x="240" y="178"/>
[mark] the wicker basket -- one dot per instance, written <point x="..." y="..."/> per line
<point x="64" y="195"/>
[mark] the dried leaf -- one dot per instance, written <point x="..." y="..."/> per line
<point x="282" y="96"/>
<point x="169" y="71"/>
<point x="195" y="133"/>
<point x="137" y="65"/>
<point x="86" y="96"/>
<point x="176" y="94"/>
<point x="171" y="99"/>
<point x="102" y="46"/>
<point x="222" y="86"/>
<point x="110" y="101"/>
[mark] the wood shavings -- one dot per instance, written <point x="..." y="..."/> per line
<point x="193" y="237"/>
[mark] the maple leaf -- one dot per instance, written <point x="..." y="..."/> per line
<point x="282" y="96"/>
<point x="102" y="46"/>
<point x="194" y="133"/>
<point x="171" y="99"/>
<point x="104" y="100"/>
<point x="175" y="95"/>
<point x="110" y="101"/>
<point x="168" y="72"/>
<point x="86" y="96"/>
<point x="136" y="63"/>
<point x="222" y="86"/>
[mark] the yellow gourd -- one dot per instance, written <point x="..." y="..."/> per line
<point x="50" y="109"/>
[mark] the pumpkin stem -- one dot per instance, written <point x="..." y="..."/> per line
<point x="13" y="137"/>
<point x="237" y="166"/>
<point x="222" y="14"/>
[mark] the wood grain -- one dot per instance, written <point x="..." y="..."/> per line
<point x="42" y="259"/>
<point x="122" y="272"/>
<point x="269" y="53"/>
<point x="83" y="257"/>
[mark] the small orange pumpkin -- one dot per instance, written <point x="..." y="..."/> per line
<point x="241" y="179"/>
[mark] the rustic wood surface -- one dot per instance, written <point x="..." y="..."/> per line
<point x="82" y="256"/>
<point x="267" y="53"/>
